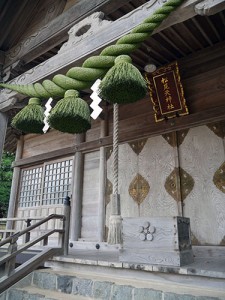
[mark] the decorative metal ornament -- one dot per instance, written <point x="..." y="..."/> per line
<point x="170" y="138"/>
<point x="219" y="178"/>
<point x="175" y="139"/>
<point x="150" y="67"/>
<point x="181" y="135"/>
<point x="187" y="183"/>
<point x="218" y="129"/>
<point x="171" y="184"/>
<point x="139" y="189"/>
<point x="137" y="146"/>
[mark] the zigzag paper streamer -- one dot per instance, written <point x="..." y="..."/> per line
<point x="96" y="100"/>
<point x="46" y="113"/>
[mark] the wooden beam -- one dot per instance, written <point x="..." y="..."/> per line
<point x="56" y="31"/>
<point x="202" y="75"/>
<point x="94" y="43"/>
<point x="196" y="119"/>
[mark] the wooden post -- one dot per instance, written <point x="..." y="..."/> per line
<point x="178" y="177"/>
<point x="3" y="128"/>
<point x="10" y="264"/>
<point x="76" y="207"/>
<point x="15" y="185"/>
<point x="102" y="182"/>
<point x="66" y="225"/>
<point x="27" y="236"/>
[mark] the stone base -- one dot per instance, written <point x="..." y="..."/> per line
<point x="135" y="285"/>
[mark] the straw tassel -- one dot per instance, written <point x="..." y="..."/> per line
<point x="31" y="118"/>
<point x="123" y="83"/>
<point x="71" y="114"/>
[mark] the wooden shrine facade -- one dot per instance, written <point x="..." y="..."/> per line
<point x="170" y="168"/>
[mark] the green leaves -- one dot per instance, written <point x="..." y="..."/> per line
<point x="5" y="181"/>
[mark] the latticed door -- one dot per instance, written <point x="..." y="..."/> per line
<point x="43" y="189"/>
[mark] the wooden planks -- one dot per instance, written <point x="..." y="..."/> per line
<point x="39" y="144"/>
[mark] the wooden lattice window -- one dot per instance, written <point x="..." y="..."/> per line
<point x="48" y="184"/>
<point x="30" y="191"/>
<point x="57" y="181"/>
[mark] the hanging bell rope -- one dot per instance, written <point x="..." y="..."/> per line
<point x="115" y="147"/>
<point x="115" y="219"/>
<point x="79" y="78"/>
<point x="71" y="114"/>
<point x="30" y="118"/>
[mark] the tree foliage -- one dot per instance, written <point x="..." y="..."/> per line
<point x="5" y="181"/>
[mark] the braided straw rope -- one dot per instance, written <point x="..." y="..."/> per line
<point x="115" y="147"/>
<point x="95" y="67"/>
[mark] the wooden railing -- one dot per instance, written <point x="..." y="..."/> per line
<point x="13" y="274"/>
<point x="6" y="232"/>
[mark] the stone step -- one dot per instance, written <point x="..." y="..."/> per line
<point x="34" y="293"/>
<point x="118" y="287"/>
<point x="132" y="285"/>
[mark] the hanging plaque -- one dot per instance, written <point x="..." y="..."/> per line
<point x="166" y="92"/>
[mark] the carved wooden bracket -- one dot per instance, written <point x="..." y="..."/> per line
<point x="209" y="7"/>
<point x="84" y="29"/>
<point x="12" y="70"/>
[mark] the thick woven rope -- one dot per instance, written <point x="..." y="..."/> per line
<point x="79" y="78"/>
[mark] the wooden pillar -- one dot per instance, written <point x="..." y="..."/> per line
<point x="3" y="128"/>
<point x="66" y="225"/>
<point x="102" y="184"/>
<point x="77" y="189"/>
<point x="15" y="184"/>
<point x="178" y="176"/>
